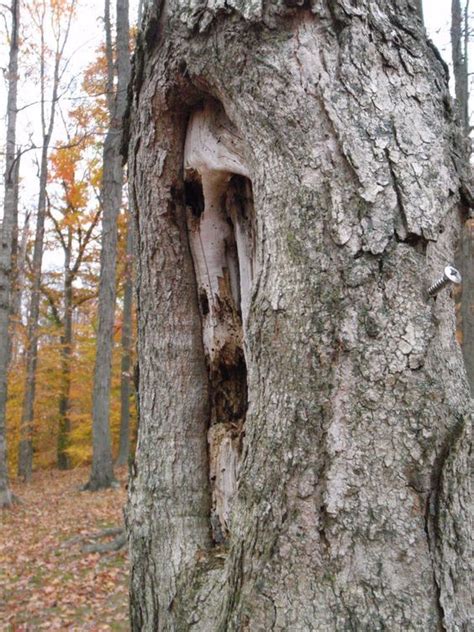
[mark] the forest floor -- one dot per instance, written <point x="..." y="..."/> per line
<point x="47" y="582"/>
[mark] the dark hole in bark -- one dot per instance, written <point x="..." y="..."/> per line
<point x="204" y="303"/>
<point x="229" y="391"/>
<point x="418" y="242"/>
<point x="193" y="197"/>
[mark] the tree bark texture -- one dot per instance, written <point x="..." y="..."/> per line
<point x="126" y="361"/>
<point x="10" y="212"/>
<point x="102" y="474"/>
<point x="466" y="265"/>
<point x="349" y="506"/>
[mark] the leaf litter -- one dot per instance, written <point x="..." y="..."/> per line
<point x="47" y="582"/>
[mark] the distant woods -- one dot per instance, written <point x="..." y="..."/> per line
<point x="61" y="202"/>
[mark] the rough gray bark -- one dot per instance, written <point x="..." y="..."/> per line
<point x="350" y="507"/>
<point x="466" y="265"/>
<point x="419" y="8"/>
<point x="126" y="362"/>
<point x="10" y="211"/>
<point x="102" y="474"/>
<point x="48" y="116"/>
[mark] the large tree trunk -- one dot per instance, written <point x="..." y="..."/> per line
<point x="10" y="213"/>
<point x="126" y="361"/>
<point x="102" y="474"/>
<point x="466" y="264"/>
<point x="304" y="409"/>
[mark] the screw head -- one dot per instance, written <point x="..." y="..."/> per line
<point x="453" y="275"/>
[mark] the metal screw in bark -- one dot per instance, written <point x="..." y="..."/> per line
<point x="451" y="275"/>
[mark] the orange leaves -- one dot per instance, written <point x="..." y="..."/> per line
<point x="64" y="163"/>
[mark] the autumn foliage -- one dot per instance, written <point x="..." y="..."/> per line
<point x="73" y="251"/>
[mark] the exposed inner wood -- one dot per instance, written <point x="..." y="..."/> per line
<point x="221" y="235"/>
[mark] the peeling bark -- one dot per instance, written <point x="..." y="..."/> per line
<point x="349" y="508"/>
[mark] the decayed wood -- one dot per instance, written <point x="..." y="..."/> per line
<point x="221" y="240"/>
<point x="350" y="507"/>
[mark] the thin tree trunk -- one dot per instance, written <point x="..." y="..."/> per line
<point x="304" y="412"/>
<point x="16" y="254"/>
<point x="10" y="211"/>
<point x="25" y="455"/>
<point x="102" y="474"/>
<point x="459" y="39"/>
<point x="126" y="363"/>
<point x="64" y="429"/>
<point x="459" y="42"/>
<point x="19" y="283"/>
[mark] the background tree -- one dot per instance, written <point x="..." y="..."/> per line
<point x="460" y="58"/>
<point x="69" y="289"/>
<point x="303" y="442"/>
<point x="75" y="227"/>
<point x="51" y="20"/>
<point x="111" y="195"/>
<point x="8" y="237"/>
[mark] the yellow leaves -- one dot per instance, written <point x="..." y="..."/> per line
<point x="77" y="196"/>
<point x="48" y="391"/>
<point x="64" y="163"/>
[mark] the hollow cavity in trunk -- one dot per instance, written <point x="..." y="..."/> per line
<point x="221" y="234"/>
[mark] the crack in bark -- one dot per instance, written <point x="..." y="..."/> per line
<point x="433" y="534"/>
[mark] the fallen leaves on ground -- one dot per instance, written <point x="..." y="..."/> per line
<point x="46" y="581"/>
